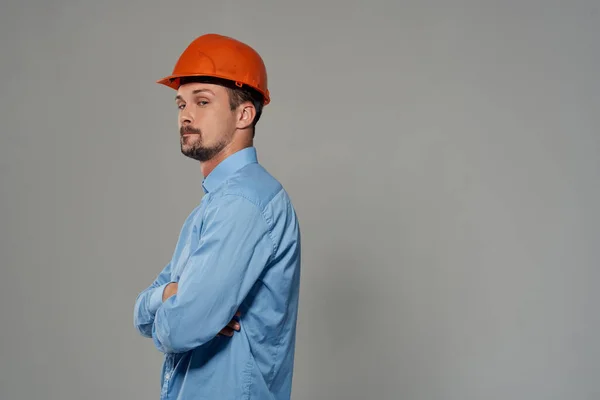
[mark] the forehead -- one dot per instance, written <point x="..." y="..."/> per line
<point x="196" y="88"/>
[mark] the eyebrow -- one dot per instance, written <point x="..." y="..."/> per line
<point x="178" y="97"/>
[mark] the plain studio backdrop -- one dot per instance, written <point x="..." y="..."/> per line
<point x="443" y="157"/>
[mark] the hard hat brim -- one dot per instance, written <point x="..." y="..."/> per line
<point x="172" y="81"/>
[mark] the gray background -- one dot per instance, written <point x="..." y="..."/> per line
<point x="442" y="156"/>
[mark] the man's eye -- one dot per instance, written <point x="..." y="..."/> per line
<point x="202" y="103"/>
<point x="181" y="106"/>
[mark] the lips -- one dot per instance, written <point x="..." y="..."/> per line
<point x="188" y="131"/>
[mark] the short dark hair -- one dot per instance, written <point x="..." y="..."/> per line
<point x="237" y="95"/>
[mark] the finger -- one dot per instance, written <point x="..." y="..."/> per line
<point x="227" y="332"/>
<point x="234" y="325"/>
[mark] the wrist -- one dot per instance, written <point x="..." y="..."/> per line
<point x="156" y="298"/>
<point x="169" y="290"/>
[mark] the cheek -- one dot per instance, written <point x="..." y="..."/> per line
<point x="214" y="123"/>
<point x="228" y="121"/>
<point x="208" y="125"/>
<point x="219" y="123"/>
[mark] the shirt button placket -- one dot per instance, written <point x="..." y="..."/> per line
<point x="168" y="375"/>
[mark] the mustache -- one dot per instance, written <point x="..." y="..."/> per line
<point x="187" y="129"/>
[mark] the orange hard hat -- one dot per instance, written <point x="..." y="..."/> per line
<point x="222" y="57"/>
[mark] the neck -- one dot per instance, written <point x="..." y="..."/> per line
<point x="206" y="167"/>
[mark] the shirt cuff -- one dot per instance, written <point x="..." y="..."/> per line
<point x="155" y="300"/>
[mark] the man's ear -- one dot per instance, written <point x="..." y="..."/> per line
<point x="246" y="115"/>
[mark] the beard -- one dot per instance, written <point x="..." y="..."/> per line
<point x="195" y="148"/>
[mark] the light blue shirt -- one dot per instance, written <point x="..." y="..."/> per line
<point x="238" y="250"/>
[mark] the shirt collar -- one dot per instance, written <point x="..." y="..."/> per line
<point x="228" y="166"/>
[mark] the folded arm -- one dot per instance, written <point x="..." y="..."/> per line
<point x="235" y="247"/>
<point x="148" y="301"/>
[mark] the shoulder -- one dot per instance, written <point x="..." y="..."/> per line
<point x="255" y="184"/>
<point x="254" y="202"/>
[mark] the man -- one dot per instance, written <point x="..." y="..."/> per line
<point x="223" y="310"/>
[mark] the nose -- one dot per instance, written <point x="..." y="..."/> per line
<point x="186" y="117"/>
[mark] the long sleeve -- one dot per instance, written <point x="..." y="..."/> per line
<point x="234" y="249"/>
<point x="148" y="301"/>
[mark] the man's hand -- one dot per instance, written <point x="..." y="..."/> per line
<point x="169" y="291"/>
<point x="233" y="325"/>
